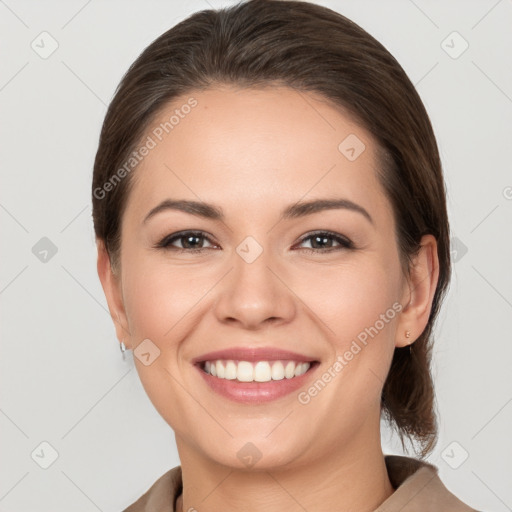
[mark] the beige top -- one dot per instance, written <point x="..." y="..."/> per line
<point x="417" y="485"/>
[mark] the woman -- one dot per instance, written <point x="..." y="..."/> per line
<point x="273" y="244"/>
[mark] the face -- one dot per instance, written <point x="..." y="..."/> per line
<point x="261" y="278"/>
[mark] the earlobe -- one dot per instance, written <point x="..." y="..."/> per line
<point x="111" y="285"/>
<point x="419" y="293"/>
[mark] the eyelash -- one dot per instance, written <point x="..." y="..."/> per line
<point x="344" y="242"/>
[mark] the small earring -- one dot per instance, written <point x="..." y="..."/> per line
<point x="408" y="335"/>
<point x="122" y="346"/>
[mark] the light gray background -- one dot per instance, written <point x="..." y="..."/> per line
<point x="62" y="377"/>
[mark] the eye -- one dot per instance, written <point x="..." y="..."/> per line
<point x="190" y="241"/>
<point x="322" y="241"/>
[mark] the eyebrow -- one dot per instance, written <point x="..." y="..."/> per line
<point x="301" y="209"/>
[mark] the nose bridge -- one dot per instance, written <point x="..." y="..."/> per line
<point x="252" y="293"/>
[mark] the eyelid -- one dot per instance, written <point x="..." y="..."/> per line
<point x="344" y="241"/>
<point x="165" y="242"/>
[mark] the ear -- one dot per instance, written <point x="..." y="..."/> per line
<point x="111" y="284"/>
<point x="418" y="293"/>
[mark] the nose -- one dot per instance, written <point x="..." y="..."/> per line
<point x="254" y="294"/>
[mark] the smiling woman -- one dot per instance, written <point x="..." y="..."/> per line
<point x="276" y="260"/>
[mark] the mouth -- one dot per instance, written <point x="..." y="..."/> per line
<point x="255" y="376"/>
<point x="259" y="371"/>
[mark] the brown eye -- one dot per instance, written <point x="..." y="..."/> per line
<point x="322" y="241"/>
<point x="190" y="241"/>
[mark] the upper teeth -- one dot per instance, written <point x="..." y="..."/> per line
<point x="260" y="371"/>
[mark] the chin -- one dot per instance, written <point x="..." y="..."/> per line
<point x="255" y="453"/>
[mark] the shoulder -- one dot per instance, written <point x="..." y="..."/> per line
<point x="418" y="487"/>
<point x="161" y="495"/>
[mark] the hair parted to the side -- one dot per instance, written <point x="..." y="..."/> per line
<point x="310" y="48"/>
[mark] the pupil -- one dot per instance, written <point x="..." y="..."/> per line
<point x="322" y="239"/>
<point x="189" y="238"/>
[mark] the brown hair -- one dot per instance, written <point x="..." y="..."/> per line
<point x="312" y="49"/>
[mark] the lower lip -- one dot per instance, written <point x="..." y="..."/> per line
<point x="256" y="392"/>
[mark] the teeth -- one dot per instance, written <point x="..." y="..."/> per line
<point x="300" y="369"/>
<point x="260" y="371"/>
<point x="219" y="367"/>
<point x="277" y="371"/>
<point x="230" y="370"/>
<point x="289" y="371"/>
<point x="245" y="372"/>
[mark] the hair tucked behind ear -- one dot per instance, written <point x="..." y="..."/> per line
<point x="312" y="49"/>
<point x="408" y="395"/>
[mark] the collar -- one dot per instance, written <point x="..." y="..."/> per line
<point x="417" y="485"/>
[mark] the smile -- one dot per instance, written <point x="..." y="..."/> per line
<point x="255" y="375"/>
<point x="258" y="371"/>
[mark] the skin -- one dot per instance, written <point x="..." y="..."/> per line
<point x="253" y="153"/>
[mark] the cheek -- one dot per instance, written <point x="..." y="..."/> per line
<point x="162" y="305"/>
<point x="352" y="298"/>
<point x="158" y="298"/>
<point x="359" y="304"/>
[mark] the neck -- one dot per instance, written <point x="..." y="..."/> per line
<point x="352" y="478"/>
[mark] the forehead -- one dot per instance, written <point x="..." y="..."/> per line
<point x="258" y="146"/>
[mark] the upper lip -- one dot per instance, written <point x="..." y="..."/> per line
<point x="253" y="355"/>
